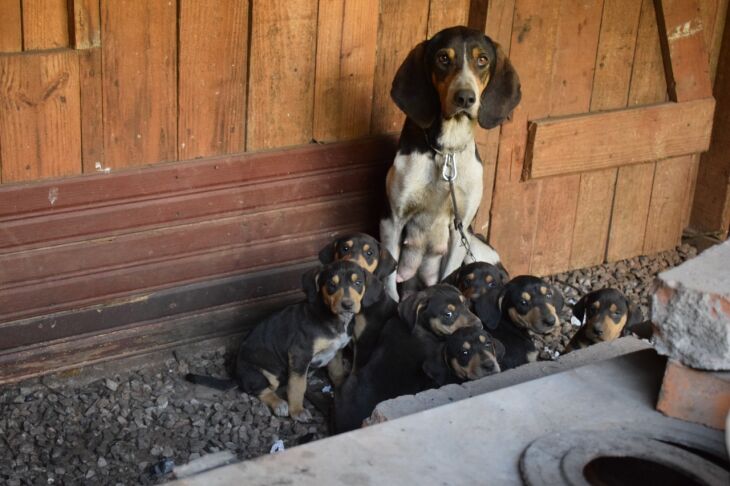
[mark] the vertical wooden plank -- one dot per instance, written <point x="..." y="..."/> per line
<point x="571" y="84"/>
<point x="92" y="123"/>
<point x="39" y="116"/>
<point x="447" y="13"/>
<point x="714" y="42"/>
<point x="514" y="204"/>
<point x="402" y="24"/>
<point x="666" y="211"/>
<point x="633" y="183"/>
<point x="11" y="26"/>
<point x="498" y="26"/>
<point x="281" y="85"/>
<point x="139" y="71"/>
<point x="614" y="60"/>
<point x="86" y="24"/>
<point x="45" y="24"/>
<point x="212" y="77"/>
<point x="343" y="90"/>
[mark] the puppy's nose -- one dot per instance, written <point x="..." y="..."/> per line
<point x="464" y="98"/>
<point x="347" y="304"/>
<point x="549" y="320"/>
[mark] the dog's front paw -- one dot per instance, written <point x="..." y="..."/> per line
<point x="302" y="415"/>
<point x="281" y="409"/>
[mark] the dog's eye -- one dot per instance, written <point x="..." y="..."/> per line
<point x="482" y="61"/>
<point x="358" y="284"/>
<point x="448" y="315"/>
<point x="331" y="287"/>
<point x="491" y="284"/>
<point x="345" y="249"/>
<point x="465" y="352"/>
<point x="549" y="295"/>
<point x="443" y="58"/>
<point x="369" y="253"/>
<point x="523" y="303"/>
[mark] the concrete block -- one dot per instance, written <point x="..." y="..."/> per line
<point x="701" y="397"/>
<point x="691" y="311"/>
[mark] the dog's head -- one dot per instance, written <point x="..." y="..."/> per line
<point x="469" y="353"/>
<point x="441" y="309"/>
<point x="362" y="249"/>
<point x="343" y="287"/>
<point x="458" y="72"/>
<point x="605" y="313"/>
<point x="530" y="303"/>
<point x="476" y="279"/>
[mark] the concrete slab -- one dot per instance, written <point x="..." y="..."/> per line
<point x="410" y="404"/>
<point x="474" y="441"/>
<point x="691" y="311"/>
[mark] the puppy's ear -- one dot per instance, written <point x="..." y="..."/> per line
<point x="635" y="315"/>
<point x="502" y="93"/>
<point x="373" y="290"/>
<point x="502" y="272"/>
<point x="310" y="285"/>
<point x="579" y="309"/>
<point x="409" y="308"/>
<point x="452" y="278"/>
<point x="327" y="254"/>
<point x="488" y="308"/>
<point x="636" y="324"/>
<point x="386" y="264"/>
<point x="498" y="348"/>
<point x="412" y="89"/>
<point x="558" y="299"/>
<point x="436" y="369"/>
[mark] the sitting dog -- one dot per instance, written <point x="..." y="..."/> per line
<point x="283" y="347"/>
<point x="478" y="278"/>
<point x="605" y="314"/>
<point x="365" y="250"/>
<point x="526" y="305"/>
<point x="405" y="363"/>
<point x="445" y="86"/>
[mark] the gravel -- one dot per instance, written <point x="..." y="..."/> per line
<point x="118" y="429"/>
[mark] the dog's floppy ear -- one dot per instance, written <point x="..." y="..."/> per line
<point x="327" y="254"/>
<point x="373" y="290"/>
<point x="412" y="89"/>
<point x="386" y="264"/>
<point x="636" y="324"/>
<point x="310" y="285"/>
<point x="436" y="369"/>
<point x="559" y="300"/>
<point x="499" y="349"/>
<point x="502" y="272"/>
<point x="452" y="278"/>
<point x="502" y="93"/>
<point x="579" y="309"/>
<point x="488" y="308"/>
<point x="635" y="315"/>
<point x="409" y="308"/>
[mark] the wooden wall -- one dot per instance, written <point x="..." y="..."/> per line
<point x="132" y="254"/>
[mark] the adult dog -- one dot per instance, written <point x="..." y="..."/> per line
<point x="445" y="86"/>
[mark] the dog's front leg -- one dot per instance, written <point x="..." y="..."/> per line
<point x="336" y="369"/>
<point x="297" y="386"/>
<point x="390" y="234"/>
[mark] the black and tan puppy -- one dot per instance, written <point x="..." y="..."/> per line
<point x="526" y="305"/>
<point x="365" y="250"/>
<point x="478" y="278"/>
<point x="605" y="314"/>
<point x="407" y="363"/>
<point x="282" y="348"/>
<point x="440" y="310"/>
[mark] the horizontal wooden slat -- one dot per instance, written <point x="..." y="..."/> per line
<point x="615" y="138"/>
<point x="233" y="320"/>
<point x="169" y="302"/>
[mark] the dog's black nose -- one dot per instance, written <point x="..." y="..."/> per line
<point x="549" y="321"/>
<point x="464" y="98"/>
<point x="347" y="304"/>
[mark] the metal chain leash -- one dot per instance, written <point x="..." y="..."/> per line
<point x="449" y="173"/>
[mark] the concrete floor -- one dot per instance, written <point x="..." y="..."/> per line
<point x="474" y="441"/>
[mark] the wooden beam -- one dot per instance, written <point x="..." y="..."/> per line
<point x="599" y="141"/>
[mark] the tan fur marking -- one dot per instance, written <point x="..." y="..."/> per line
<point x="353" y="277"/>
<point x="271" y="399"/>
<point x="451" y="307"/>
<point x="320" y="344"/>
<point x="271" y="378"/>
<point x="489" y="279"/>
<point x="336" y="369"/>
<point x="526" y="296"/>
<point x="462" y="299"/>
<point x="543" y="290"/>
<point x="359" y="328"/>
<point x="471" y="276"/>
<point x="295" y="392"/>
<point x="466" y="345"/>
<point x="597" y="304"/>
<point x="613" y="308"/>
<point x="336" y="279"/>
<point x="332" y="300"/>
<point x="349" y="243"/>
<point x="482" y="339"/>
<point x="365" y="247"/>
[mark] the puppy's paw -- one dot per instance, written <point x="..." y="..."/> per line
<point x="281" y="409"/>
<point x="302" y="415"/>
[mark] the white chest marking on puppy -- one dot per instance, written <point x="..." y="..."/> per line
<point x="325" y="355"/>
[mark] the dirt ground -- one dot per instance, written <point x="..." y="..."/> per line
<point x="115" y="429"/>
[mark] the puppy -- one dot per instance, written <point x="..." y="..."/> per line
<point x="282" y="348"/>
<point x="406" y="363"/>
<point x="478" y="278"/>
<point x="440" y="310"/>
<point x="365" y="250"/>
<point x="605" y="315"/>
<point x="526" y="305"/>
<point x="445" y="86"/>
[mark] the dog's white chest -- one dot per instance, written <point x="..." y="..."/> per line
<point x="327" y="353"/>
